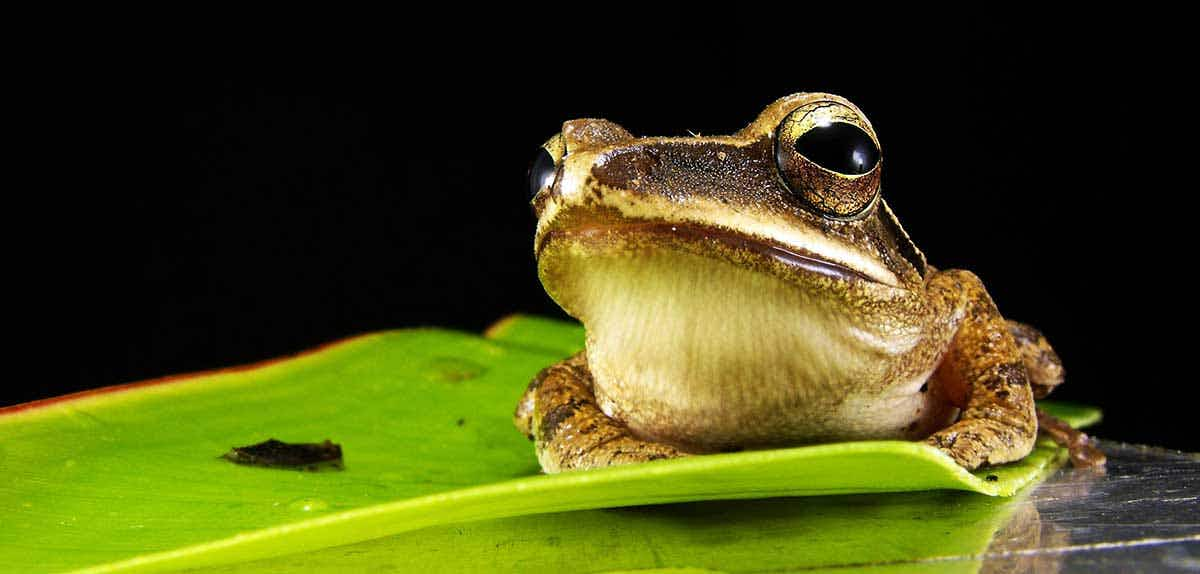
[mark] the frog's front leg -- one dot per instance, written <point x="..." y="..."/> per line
<point x="559" y="413"/>
<point x="983" y="372"/>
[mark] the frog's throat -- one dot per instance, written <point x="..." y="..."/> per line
<point x="789" y="257"/>
<point x="699" y="347"/>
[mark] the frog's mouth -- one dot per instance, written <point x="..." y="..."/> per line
<point x="721" y="241"/>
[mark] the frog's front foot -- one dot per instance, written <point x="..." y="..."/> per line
<point x="559" y="413"/>
<point x="974" y="443"/>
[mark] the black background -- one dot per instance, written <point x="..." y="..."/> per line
<point x="213" y="213"/>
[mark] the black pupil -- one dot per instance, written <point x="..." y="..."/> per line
<point x="541" y="172"/>
<point x="839" y="147"/>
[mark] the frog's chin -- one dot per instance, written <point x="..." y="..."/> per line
<point x="710" y="351"/>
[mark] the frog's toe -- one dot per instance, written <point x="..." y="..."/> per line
<point x="1083" y="453"/>
<point x="523" y="415"/>
<point x="583" y="452"/>
<point x="967" y="454"/>
<point x="570" y="431"/>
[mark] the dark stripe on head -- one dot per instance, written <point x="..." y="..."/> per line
<point x="904" y="244"/>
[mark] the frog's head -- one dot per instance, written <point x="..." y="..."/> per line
<point x="788" y="210"/>
<point x="715" y="275"/>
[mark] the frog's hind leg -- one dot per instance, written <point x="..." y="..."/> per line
<point x="1045" y="373"/>
<point x="1041" y="362"/>
<point x="559" y="413"/>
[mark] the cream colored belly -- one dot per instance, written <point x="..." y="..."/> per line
<point x="704" y="354"/>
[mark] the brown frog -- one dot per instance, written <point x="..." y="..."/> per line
<point x="755" y="290"/>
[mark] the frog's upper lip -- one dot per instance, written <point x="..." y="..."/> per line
<point x="790" y="256"/>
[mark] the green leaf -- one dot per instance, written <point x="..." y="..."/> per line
<point x="130" y="478"/>
<point x="1078" y="416"/>
<point x="559" y="338"/>
<point x="768" y="535"/>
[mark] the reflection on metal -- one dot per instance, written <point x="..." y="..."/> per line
<point x="1140" y="513"/>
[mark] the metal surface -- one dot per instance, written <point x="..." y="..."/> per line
<point x="1141" y="513"/>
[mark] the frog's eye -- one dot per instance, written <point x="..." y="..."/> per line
<point x="827" y="154"/>
<point x="544" y="168"/>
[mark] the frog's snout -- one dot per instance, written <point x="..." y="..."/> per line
<point x="561" y="170"/>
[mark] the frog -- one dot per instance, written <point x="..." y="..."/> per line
<point x="756" y="291"/>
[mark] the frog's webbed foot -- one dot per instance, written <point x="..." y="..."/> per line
<point x="559" y="413"/>
<point x="984" y="373"/>
<point x="1083" y="453"/>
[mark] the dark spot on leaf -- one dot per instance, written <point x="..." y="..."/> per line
<point x="451" y="370"/>
<point x="274" y="453"/>
<point x="460" y="422"/>
<point x="992" y="478"/>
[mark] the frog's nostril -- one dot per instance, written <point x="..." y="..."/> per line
<point x="589" y="133"/>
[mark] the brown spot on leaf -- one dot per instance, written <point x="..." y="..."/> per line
<point x="274" y="453"/>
